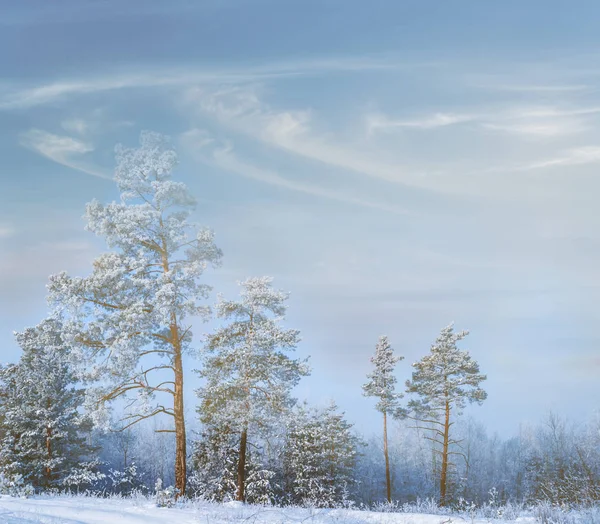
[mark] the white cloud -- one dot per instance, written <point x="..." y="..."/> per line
<point x="539" y="129"/>
<point x="548" y="112"/>
<point x="241" y="110"/>
<point x="375" y="122"/>
<point x="61" y="149"/>
<point x="572" y="157"/>
<point x="226" y="159"/>
<point x="528" y="121"/>
<point x="20" y="97"/>
<point x="536" y="88"/>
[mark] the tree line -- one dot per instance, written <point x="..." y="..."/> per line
<point x="118" y="337"/>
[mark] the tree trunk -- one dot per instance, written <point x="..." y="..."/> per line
<point x="388" y="481"/>
<point x="178" y="406"/>
<point x="241" y="472"/>
<point x="180" y="438"/>
<point x="444" y="473"/>
<point x="48" y="470"/>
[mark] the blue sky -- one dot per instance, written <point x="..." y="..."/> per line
<point x="395" y="165"/>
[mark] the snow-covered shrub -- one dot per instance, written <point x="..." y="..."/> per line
<point x="548" y="513"/>
<point x="15" y="486"/>
<point x="85" y="476"/>
<point x="125" y="481"/>
<point x="385" y="507"/>
<point x="165" y="497"/>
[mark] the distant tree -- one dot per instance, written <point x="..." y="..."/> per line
<point x="320" y="455"/>
<point x="382" y="384"/>
<point x="128" y="320"/>
<point x="444" y="381"/>
<point x="44" y="434"/>
<point x="249" y="376"/>
<point x="559" y="468"/>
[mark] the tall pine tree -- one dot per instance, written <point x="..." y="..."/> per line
<point x="130" y="319"/>
<point x="382" y="384"/>
<point x="444" y="381"/>
<point x="249" y="376"/>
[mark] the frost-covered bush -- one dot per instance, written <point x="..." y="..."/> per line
<point x="165" y="497"/>
<point x="126" y="481"/>
<point x="84" y="476"/>
<point x="547" y="513"/>
<point x="15" y="486"/>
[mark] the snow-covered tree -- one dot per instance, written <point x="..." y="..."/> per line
<point x="444" y="381"/>
<point x="382" y="384"/>
<point x="45" y="436"/>
<point x="560" y="465"/>
<point x="215" y="462"/>
<point x="249" y="376"/>
<point x="319" y="457"/>
<point x="129" y="321"/>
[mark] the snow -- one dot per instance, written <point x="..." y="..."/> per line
<point x="89" y="510"/>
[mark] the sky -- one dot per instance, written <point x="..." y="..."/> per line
<point x="394" y="165"/>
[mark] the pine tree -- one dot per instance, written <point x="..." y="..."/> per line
<point x="319" y="457"/>
<point x="128" y="319"/>
<point x="215" y="462"/>
<point x="249" y="376"/>
<point x="444" y="381"/>
<point x="382" y="384"/>
<point x="45" y="435"/>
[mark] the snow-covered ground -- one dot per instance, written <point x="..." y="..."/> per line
<point x="87" y="510"/>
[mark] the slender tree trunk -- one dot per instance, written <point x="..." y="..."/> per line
<point x="388" y="481"/>
<point x="178" y="406"/>
<point x="444" y="473"/>
<point x="48" y="470"/>
<point x="180" y="438"/>
<point x="241" y="472"/>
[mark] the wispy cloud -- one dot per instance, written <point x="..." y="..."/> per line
<point x="64" y="150"/>
<point x="528" y="121"/>
<point x="379" y="121"/>
<point x="22" y="97"/>
<point x="538" y="129"/>
<point x="242" y="111"/>
<point x="572" y="157"/>
<point x="536" y="88"/>
<point x="225" y="158"/>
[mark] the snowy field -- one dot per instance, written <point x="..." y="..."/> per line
<point x="87" y="510"/>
